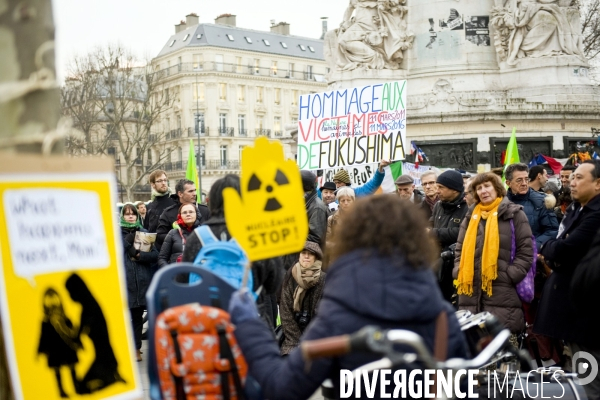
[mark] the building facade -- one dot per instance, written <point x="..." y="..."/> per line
<point x="231" y="85"/>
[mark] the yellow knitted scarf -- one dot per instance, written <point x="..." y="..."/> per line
<point x="489" y="255"/>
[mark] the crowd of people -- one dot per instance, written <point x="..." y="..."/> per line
<point x="398" y="261"/>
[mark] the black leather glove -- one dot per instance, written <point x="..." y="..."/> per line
<point x="130" y="238"/>
<point x="132" y="252"/>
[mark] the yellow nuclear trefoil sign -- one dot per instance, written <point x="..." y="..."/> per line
<point x="268" y="218"/>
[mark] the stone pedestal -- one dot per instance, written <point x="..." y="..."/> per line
<point x="463" y="92"/>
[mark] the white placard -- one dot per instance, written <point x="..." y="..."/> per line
<point x="53" y="230"/>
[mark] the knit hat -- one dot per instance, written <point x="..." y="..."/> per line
<point x="313" y="248"/>
<point x="452" y="180"/>
<point x="404" y="180"/>
<point x="309" y="181"/>
<point x="342" y="176"/>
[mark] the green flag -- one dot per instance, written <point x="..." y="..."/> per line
<point x="512" y="152"/>
<point x="192" y="170"/>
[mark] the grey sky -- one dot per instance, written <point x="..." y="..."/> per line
<point x="145" y="25"/>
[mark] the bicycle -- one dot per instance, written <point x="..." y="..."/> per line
<point x="494" y="349"/>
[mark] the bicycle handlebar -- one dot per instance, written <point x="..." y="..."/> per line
<point x="381" y="342"/>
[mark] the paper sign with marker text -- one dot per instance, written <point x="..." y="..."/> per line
<point x="269" y="218"/>
<point x="64" y="308"/>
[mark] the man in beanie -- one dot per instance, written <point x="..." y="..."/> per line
<point x="342" y="178"/>
<point x="447" y="216"/>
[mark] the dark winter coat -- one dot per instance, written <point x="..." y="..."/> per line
<point x="361" y="289"/>
<point x="169" y="215"/>
<point x="173" y="246"/>
<point x="504" y="302"/>
<point x="266" y="273"/>
<point x="154" y="211"/>
<point x="317" y="218"/>
<point x="542" y="221"/>
<point x="289" y="324"/>
<point x="586" y="280"/>
<point x="446" y="219"/>
<point x="138" y="272"/>
<point x="557" y="316"/>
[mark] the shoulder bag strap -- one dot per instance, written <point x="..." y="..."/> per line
<point x="513" y="242"/>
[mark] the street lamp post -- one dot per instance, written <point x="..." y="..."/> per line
<point x="199" y="145"/>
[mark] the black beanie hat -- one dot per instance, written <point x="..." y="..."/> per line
<point x="309" y="181"/>
<point x="452" y="180"/>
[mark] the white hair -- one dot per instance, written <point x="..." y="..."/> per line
<point x="345" y="191"/>
<point x="426" y="173"/>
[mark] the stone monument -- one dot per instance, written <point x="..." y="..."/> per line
<point x="475" y="69"/>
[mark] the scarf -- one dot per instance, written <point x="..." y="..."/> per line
<point x="156" y="194"/>
<point x="489" y="255"/>
<point x="431" y="202"/>
<point x="183" y="225"/>
<point x="306" y="277"/>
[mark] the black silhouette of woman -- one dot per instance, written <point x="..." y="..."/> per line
<point x="59" y="339"/>
<point x="104" y="369"/>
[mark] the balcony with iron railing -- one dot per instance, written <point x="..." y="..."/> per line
<point x="263" y="132"/>
<point x="191" y="132"/>
<point x="243" y="132"/>
<point x="224" y="131"/>
<point x="212" y="66"/>
<point x="278" y="133"/>
<point x="222" y="164"/>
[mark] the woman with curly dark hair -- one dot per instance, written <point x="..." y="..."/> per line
<point x="380" y="275"/>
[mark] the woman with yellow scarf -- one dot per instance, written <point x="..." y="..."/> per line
<point x="486" y="274"/>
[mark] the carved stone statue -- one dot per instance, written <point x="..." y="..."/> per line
<point x="536" y="28"/>
<point x="372" y="35"/>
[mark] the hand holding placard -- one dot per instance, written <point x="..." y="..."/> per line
<point x="268" y="218"/>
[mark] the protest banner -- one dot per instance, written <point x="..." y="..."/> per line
<point x="416" y="171"/>
<point x="350" y="127"/>
<point x="268" y="218"/>
<point x="64" y="307"/>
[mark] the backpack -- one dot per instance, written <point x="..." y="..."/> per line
<point x="199" y="356"/>
<point x="225" y="258"/>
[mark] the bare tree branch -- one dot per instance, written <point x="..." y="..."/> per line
<point x="118" y="102"/>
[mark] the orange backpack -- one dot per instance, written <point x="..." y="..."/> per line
<point x="197" y="354"/>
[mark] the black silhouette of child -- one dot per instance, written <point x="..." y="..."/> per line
<point x="59" y="339"/>
<point x="104" y="369"/>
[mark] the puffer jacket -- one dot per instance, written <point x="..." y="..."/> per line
<point x="173" y="245"/>
<point x="504" y="302"/>
<point x="361" y="289"/>
<point x="138" y="272"/>
<point x="169" y="216"/>
<point x="542" y="221"/>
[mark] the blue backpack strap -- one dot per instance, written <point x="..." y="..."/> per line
<point x="205" y="235"/>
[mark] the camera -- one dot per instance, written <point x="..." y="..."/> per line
<point x="302" y="318"/>
<point x="448" y="255"/>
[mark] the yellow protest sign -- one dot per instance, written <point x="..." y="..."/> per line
<point x="64" y="308"/>
<point x="269" y="218"/>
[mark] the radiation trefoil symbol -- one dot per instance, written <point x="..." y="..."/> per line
<point x="268" y="218"/>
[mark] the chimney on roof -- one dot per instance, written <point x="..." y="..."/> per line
<point x="324" y="27"/>
<point x="225" y="19"/>
<point x="192" y="19"/>
<point x="282" y="28"/>
<point x="180" y="26"/>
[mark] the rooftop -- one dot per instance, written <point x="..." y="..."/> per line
<point x="214" y="35"/>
